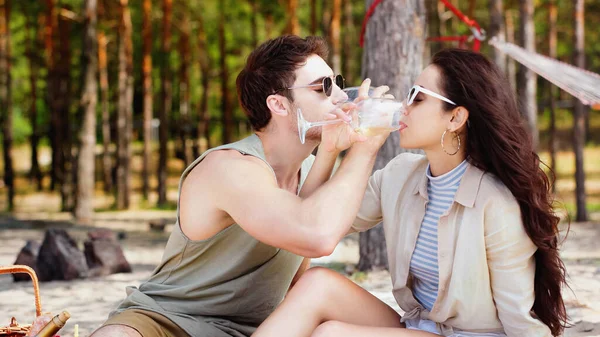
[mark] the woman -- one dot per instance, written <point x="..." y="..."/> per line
<point x="470" y="231"/>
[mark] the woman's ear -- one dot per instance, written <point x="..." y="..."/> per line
<point x="459" y="118"/>
<point x="275" y="103"/>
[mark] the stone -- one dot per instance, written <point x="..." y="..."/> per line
<point x="28" y="257"/>
<point x="102" y="233"/>
<point x="59" y="258"/>
<point x="158" y="225"/>
<point x="104" y="255"/>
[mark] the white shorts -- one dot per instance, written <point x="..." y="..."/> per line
<point x="433" y="327"/>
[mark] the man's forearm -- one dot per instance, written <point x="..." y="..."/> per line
<point x="332" y="209"/>
<point x="320" y="171"/>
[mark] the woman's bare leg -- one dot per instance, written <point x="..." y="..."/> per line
<point x="340" y="329"/>
<point x="323" y="295"/>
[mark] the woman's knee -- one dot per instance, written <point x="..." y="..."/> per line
<point x="319" y="278"/>
<point x="328" y="329"/>
<point x="320" y="285"/>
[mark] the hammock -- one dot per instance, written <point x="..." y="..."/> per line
<point x="583" y="84"/>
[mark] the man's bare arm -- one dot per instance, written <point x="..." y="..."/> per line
<point x="311" y="227"/>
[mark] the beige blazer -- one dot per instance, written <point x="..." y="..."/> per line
<point x="486" y="262"/>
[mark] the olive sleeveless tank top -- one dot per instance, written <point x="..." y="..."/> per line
<point x="222" y="286"/>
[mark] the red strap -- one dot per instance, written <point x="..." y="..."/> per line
<point x="366" y="20"/>
<point x="470" y="22"/>
<point x="476" y="45"/>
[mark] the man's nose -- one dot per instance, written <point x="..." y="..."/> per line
<point x="338" y="95"/>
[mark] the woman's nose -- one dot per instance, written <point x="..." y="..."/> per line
<point x="406" y="111"/>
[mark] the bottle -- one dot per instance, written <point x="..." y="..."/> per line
<point x="57" y="322"/>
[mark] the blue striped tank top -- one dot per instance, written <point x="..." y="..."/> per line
<point x="424" y="261"/>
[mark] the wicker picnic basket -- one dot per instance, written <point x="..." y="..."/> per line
<point x="15" y="329"/>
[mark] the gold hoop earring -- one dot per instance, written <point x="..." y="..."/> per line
<point x="444" y="149"/>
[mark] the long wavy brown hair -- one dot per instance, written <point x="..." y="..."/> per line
<point x="499" y="142"/>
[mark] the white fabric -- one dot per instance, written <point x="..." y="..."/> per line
<point x="433" y="327"/>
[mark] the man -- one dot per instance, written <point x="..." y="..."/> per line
<point x="250" y="211"/>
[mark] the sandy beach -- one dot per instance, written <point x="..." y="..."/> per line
<point x="90" y="300"/>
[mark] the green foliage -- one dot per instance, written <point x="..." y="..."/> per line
<point x="359" y="276"/>
<point x="21" y="128"/>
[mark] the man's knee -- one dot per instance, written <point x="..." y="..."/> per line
<point x="116" y="331"/>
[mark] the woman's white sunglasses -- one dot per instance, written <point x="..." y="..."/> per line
<point x="416" y="89"/>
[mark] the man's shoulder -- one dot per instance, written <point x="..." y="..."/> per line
<point x="222" y="163"/>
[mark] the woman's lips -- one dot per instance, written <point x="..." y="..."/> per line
<point x="402" y="126"/>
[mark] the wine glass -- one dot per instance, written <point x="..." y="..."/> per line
<point x="304" y="125"/>
<point x="370" y="116"/>
<point x="352" y="92"/>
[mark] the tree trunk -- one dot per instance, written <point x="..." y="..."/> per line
<point x="552" y="36"/>
<point x="334" y="33"/>
<point x="579" y="115"/>
<point x="6" y="101"/>
<point x="147" y="93"/>
<point x="125" y="114"/>
<point x="89" y="97"/>
<point x="453" y="21"/>
<point x="165" y="110"/>
<point x="63" y="109"/>
<point x="326" y="19"/>
<point x="226" y="111"/>
<point x="511" y="67"/>
<point x="254" y="22"/>
<point x="35" y="173"/>
<point x="441" y="8"/>
<point x="203" y="142"/>
<point x="349" y="54"/>
<point x="471" y="12"/>
<point x="433" y="24"/>
<point x="269" y="23"/>
<point x="292" y="11"/>
<point x="104" y="99"/>
<point x="54" y="133"/>
<point x="184" y="91"/>
<point x="313" y="17"/>
<point x="395" y="38"/>
<point x="497" y="29"/>
<point x="526" y="80"/>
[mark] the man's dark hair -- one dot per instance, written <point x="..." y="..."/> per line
<point x="270" y="69"/>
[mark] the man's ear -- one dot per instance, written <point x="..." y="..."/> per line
<point x="459" y="118"/>
<point x="276" y="104"/>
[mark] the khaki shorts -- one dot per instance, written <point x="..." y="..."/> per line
<point x="147" y="323"/>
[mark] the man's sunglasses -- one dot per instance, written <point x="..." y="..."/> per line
<point x="326" y="84"/>
<point x="416" y="89"/>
